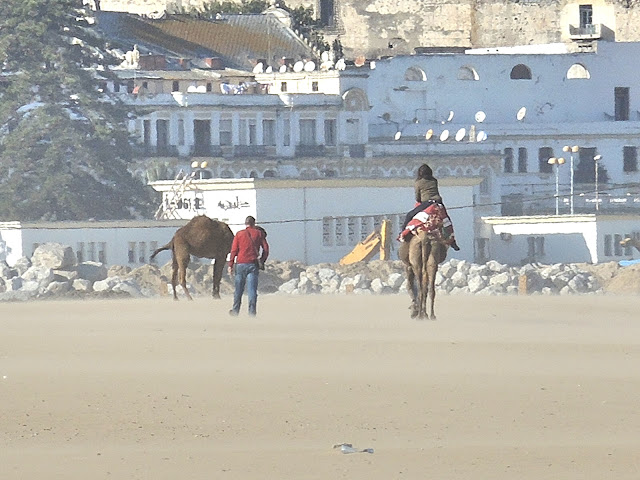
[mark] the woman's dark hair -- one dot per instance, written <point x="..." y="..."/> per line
<point x="425" y="171"/>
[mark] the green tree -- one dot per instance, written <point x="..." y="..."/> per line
<point x="64" y="145"/>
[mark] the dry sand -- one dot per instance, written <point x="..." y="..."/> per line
<point x="496" y="388"/>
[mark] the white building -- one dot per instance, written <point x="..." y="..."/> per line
<point x="559" y="239"/>
<point x="318" y="221"/>
<point x="110" y="242"/>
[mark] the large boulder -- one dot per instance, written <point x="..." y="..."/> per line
<point x="54" y="256"/>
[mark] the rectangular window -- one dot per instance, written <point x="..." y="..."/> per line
<point x="608" y="251"/>
<point x="352" y="230"/>
<point x="307" y="132"/>
<point x="153" y="246"/>
<point x="314" y="86"/>
<point x="522" y="160"/>
<point x="630" y="159"/>
<point x="366" y="227"/>
<point x="132" y="252"/>
<point x="175" y="86"/>
<point x="544" y="154"/>
<point x="586" y="15"/>
<point x="102" y="252"/>
<point x="286" y="130"/>
<point x="269" y="132"/>
<point x="146" y="132"/>
<point x="283" y="86"/>
<point x="225" y="132"/>
<point x="508" y="160"/>
<point x="209" y="87"/>
<point x="621" y="99"/>
<point x="80" y="254"/>
<point x="340" y="231"/>
<point x="617" y="248"/>
<point x="180" y="132"/>
<point x="628" y="249"/>
<point x="535" y="247"/>
<point x="92" y="252"/>
<point x="330" y="132"/>
<point x="252" y="132"/>
<point x="327" y="232"/>
<point x="142" y="252"/>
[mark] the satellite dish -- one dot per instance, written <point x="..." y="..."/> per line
<point x="309" y="67"/>
<point x="429" y="134"/>
<point x="480" y="116"/>
<point x="450" y="117"/>
<point x="324" y="56"/>
<point x="298" y="67"/>
<point x="194" y="164"/>
<point x="204" y="165"/>
<point x="521" y="114"/>
<point x="460" y="134"/>
<point x="340" y="64"/>
<point x="444" y="135"/>
<point x="359" y="61"/>
<point x="481" y="137"/>
<point x="398" y="135"/>
<point x="282" y="69"/>
<point x="269" y="69"/>
<point x="259" y="68"/>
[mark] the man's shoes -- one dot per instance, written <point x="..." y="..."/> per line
<point x="455" y="246"/>
<point x="233" y="313"/>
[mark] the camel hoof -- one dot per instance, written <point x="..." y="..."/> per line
<point x="414" y="313"/>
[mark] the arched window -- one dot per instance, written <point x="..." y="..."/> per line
<point x="355" y="99"/>
<point x="468" y="73"/>
<point x="578" y="71"/>
<point x="521" y="72"/>
<point x="415" y="74"/>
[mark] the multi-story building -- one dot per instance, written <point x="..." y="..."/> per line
<point x="536" y="123"/>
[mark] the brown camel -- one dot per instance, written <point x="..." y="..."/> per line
<point x="634" y="242"/>
<point x="421" y="255"/>
<point x="201" y="237"/>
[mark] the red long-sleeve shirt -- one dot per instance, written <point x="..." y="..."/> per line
<point x="243" y="247"/>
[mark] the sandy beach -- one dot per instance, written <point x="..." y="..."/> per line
<point x="498" y="387"/>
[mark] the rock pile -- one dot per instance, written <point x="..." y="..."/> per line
<point x="53" y="272"/>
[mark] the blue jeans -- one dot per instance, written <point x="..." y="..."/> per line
<point x="246" y="273"/>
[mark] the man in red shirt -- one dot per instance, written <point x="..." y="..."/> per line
<point x="245" y="253"/>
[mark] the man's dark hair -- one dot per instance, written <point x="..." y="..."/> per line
<point x="250" y="221"/>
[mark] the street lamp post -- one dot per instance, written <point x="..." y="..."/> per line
<point x="571" y="151"/>
<point x="596" y="160"/>
<point x="557" y="162"/>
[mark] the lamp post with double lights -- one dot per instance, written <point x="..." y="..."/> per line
<point x="557" y="162"/>
<point x="596" y="161"/>
<point x="571" y="151"/>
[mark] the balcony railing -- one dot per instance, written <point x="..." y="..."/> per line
<point x="249" y="150"/>
<point x="310" y="151"/>
<point x="585" y="32"/>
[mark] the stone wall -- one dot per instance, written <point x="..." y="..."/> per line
<point x="395" y="27"/>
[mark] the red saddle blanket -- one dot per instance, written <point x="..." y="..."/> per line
<point x="430" y="220"/>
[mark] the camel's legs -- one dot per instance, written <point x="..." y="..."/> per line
<point x="218" y="269"/>
<point x="174" y="275"/>
<point x="432" y="268"/>
<point x="183" y="262"/>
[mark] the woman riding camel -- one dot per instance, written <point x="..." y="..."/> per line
<point x="427" y="193"/>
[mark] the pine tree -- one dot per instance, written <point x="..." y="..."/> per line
<point x="64" y="145"/>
